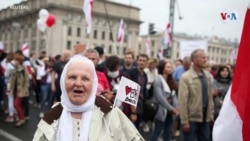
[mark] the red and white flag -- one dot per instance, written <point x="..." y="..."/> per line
<point x="233" y="123"/>
<point x="160" y="54"/>
<point x="25" y="50"/>
<point x="121" y="32"/>
<point x="128" y="91"/>
<point x="88" y="9"/>
<point x="148" y="45"/>
<point x="167" y="35"/>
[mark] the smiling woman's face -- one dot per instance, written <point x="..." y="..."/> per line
<point x="79" y="82"/>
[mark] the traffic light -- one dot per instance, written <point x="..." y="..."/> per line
<point x="151" y="29"/>
<point x="167" y="52"/>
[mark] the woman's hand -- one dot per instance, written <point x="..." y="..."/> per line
<point x="133" y="117"/>
<point x="175" y="112"/>
<point x="53" y="88"/>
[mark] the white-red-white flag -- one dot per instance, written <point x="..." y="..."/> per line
<point x="148" y="45"/>
<point x="233" y="123"/>
<point x="121" y="32"/>
<point x="88" y="11"/>
<point x="128" y="91"/>
<point x="25" y="50"/>
<point x="160" y="54"/>
<point x="167" y="35"/>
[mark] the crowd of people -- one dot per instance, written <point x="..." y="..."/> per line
<point x="189" y="92"/>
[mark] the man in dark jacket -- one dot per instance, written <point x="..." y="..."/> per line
<point x="137" y="75"/>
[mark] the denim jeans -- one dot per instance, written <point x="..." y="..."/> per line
<point x="199" y="131"/>
<point x="167" y="125"/>
<point x="44" y="96"/>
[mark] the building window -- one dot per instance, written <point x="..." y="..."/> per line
<point x="33" y="46"/>
<point x="79" y="18"/>
<point x="110" y="36"/>
<point x="70" y="17"/>
<point x="69" y="31"/>
<point x="124" y="50"/>
<point x="68" y="45"/>
<point x="78" y="32"/>
<point x="117" y="49"/>
<point x="110" y="48"/>
<point x="153" y="43"/>
<point x="125" y="38"/>
<point x="103" y="35"/>
<point x="42" y="43"/>
<point x="95" y="34"/>
<point x="26" y="33"/>
<point x="33" y="34"/>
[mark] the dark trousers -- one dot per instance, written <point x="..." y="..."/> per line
<point x="159" y="125"/>
<point x="138" y="120"/>
<point x="25" y="103"/>
<point x="199" y="131"/>
<point x="38" y="91"/>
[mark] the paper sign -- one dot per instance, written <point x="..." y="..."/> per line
<point x="128" y="91"/>
<point x="79" y="48"/>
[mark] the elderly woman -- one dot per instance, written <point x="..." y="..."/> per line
<point x="81" y="115"/>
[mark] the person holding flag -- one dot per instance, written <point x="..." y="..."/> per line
<point x="82" y="115"/>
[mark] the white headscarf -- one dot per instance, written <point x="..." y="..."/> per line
<point x="65" y="127"/>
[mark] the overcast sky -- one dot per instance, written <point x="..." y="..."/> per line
<point x="199" y="16"/>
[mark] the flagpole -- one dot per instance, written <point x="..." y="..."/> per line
<point x="110" y="29"/>
<point x="111" y="115"/>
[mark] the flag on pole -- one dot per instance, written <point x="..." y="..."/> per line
<point x="25" y="50"/>
<point x="121" y="32"/>
<point x="167" y="35"/>
<point x="233" y="123"/>
<point x="148" y="44"/>
<point x="128" y="91"/>
<point x="160" y="54"/>
<point x="88" y="9"/>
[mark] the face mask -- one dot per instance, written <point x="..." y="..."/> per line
<point x="113" y="74"/>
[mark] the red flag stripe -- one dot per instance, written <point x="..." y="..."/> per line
<point x="240" y="93"/>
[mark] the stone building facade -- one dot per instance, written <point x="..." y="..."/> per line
<point x="219" y="50"/>
<point x="18" y="25"/>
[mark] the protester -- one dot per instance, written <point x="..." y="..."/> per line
<point x="56" y="74"/>
<point x="103" y="84"/>
<point x="137" y="75"/>
<point x="195" y="100"/>
<point x="82" y="115"/>
<point x="19" y="86"/>
<point x="164" y="94"/>
<point x="10" y="67"/>
<point x="221" y="85"/>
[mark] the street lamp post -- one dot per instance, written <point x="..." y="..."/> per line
<point x="171" y="21"/>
